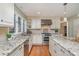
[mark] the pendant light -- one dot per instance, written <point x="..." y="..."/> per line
<point x="65" y="18"/>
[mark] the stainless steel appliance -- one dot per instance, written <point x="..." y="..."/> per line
<point x="46" y="38"/>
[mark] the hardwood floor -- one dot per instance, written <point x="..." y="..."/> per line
<point x="39" y="50"/>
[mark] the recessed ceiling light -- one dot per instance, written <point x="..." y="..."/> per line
<point x="38" y="12"/>
<point x="64" y="12"/>
<point x="78" y="15"/>
<point x="65" y="19"/>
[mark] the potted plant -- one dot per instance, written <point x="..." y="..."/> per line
<point x="8" y="35"/>
<point x="56" y="30"/>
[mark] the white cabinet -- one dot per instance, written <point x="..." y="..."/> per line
<point x="36" y="24"/>
<point x="19" y="51"/>
<point x="37" y="39"/>
<point x="37" y="36"/>
<point x="51" y="47"/>
<point x="57" y="50"/>
<point x="6" y="15"/>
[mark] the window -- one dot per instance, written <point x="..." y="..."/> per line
<point x="19" y="24"/>
<point x="14" y="23"/>
<point x="13" y="29"/>
<point x="23" y="25"/>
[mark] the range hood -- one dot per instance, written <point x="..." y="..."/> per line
<point x="46" y="22"/>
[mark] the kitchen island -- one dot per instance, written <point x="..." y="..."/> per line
<point x="63" y="46"/>
<point x="14" y="47"/>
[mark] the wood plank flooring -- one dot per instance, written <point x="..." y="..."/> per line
<point x="39" y="50"/>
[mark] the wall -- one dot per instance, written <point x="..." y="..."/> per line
<point x="73" y="26"/>
<point x="19" y="13"/>
<point x="17" y="10"/>
<point x="37" y="37"/>
<point x="70" y="28"/>
<point x="55" y="20"/>
<point x="7" y="14"/>
<point x="55" y="23"/>
<point x="36" y="24"/>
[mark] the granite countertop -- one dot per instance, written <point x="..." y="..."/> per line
<point x="71" y="46"/>
<point x="6" y="49"/>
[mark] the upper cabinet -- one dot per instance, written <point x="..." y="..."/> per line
<point x="6" y="15"/>
<point x="36" y="24"/>
<point x="46" y="22"/>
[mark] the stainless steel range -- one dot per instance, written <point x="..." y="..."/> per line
<point x="46" y="38"/>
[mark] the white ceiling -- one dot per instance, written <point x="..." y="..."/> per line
<point x="48" y="9"/>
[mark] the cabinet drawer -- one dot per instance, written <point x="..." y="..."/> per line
<point x="58" y="49"/>
<point x="67" y="53"/>
<point x="62" y="51"/>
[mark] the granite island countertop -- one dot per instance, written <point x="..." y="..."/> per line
<point x="71" y="46"/>
<point x="5" y="49"/>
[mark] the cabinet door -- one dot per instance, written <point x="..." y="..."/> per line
<point x="36" y="23"/>
<point x="55" y="48"/>
<point x="67" y="53"/>
<point x="58" y="50"/>
<point x="7" y="14"/>
<point x="37" y="39"/>
<point x="51" y="47"/>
